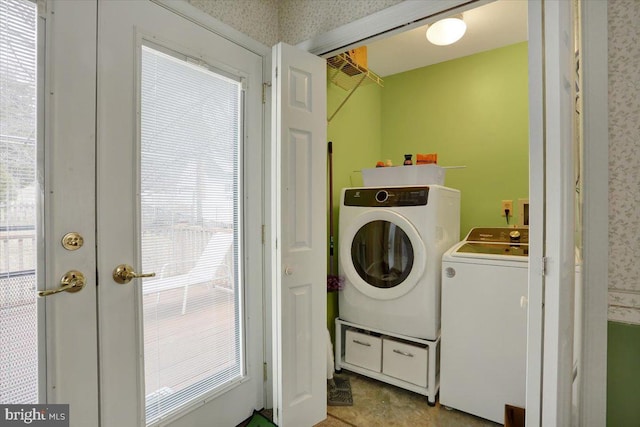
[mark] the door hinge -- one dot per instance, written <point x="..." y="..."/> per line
<point x="263" y="234"/>
<point x="543" y="269"/>
<point x="265" y="85"/>
<point x="264" y="371"/>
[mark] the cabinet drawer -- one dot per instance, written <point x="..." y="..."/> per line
<point x="363" y="350"/>
<point x="405" y="362"/>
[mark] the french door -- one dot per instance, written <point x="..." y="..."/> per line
<point x="150" y="159"/>
<point x="179" y="119"/>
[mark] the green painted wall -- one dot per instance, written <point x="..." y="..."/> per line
<point x="473" y="112"/>
<point x="356" y="134"/>
<point x="623" y="375"/>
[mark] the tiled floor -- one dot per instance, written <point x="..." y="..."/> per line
<point x="379" y="404"/>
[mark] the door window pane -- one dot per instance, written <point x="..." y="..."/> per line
<point x="18" y="312"/>
<point x="190" y="229"/>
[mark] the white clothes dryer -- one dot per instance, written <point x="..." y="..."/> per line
<point x="391" y="245"/>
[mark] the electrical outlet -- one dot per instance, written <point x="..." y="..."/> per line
<point x="507" y="204"/>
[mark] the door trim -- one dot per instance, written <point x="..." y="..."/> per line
<point x="535" y="315"/>
<point x="593" y="393"/>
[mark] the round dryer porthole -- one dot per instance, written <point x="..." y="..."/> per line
<point x="382" y="254"/>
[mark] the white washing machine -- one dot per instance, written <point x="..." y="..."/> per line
<point x="484" y="322"/>
<point x="391" y="245"/>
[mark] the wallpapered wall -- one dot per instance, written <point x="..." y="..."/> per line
<point x="300" y="20"/>
<point x="256" y="18"/>
<point x="624" y="160"/>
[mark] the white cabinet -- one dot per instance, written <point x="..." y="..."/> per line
<point x="406" y="362"/>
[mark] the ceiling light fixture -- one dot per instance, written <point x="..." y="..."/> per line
<point x="446" y="31"/>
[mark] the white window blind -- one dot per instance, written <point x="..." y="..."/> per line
<point x="190" y="206"/>
<point x="18" y="313"/>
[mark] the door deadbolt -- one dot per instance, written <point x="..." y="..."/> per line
<point x="72" y="241"/>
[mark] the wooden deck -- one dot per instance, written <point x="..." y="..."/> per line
<point x="180" y="349"/>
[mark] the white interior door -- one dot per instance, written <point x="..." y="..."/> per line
<point x="299" y="162"/>
<point x="179" y="164"/>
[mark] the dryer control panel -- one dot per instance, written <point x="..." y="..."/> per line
<point x="385" y="197"/>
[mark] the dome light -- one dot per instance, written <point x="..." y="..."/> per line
<point x="446" y="31"/>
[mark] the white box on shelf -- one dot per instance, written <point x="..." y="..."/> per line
<point x="405" y="361"/>
<point x="403" y="175"/>
<point x="363" y="350"/>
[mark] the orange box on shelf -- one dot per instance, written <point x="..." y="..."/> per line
<point x="427" y="159"/>
<point x="359" y="56"/>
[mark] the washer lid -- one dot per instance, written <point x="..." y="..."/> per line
<point x="382" y="255"/>
<point x="494" y="249"/>
<point x="495" y="243"/>
<point x="498" y="235"/>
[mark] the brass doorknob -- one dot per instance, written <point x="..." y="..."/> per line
<point x="124" y="273"/>
<point x="72" y="281"/>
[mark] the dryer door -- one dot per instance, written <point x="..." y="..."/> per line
<point x="382" y="254"/>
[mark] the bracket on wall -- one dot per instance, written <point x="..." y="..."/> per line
<point x="346" y="73"/>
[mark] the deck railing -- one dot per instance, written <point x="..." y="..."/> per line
<point x="17" y="255"/>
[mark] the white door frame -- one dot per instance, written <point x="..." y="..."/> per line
<point x="535" y="317"/>
<point x="595" y="209"/>
<point x="595" y="256"/>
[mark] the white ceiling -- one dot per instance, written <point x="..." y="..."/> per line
<point x="491" y="26"/>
